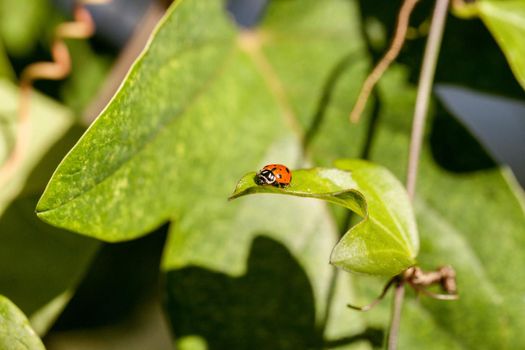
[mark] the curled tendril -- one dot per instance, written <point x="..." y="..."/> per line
<point x="82" y="27"/>
<point x="388" y="58"/>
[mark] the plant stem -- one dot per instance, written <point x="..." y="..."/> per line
<point x="399" y="294"/>
<point x="420" y="113"/>
<point x="423" y="93"/>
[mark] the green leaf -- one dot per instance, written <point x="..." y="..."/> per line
<point x="118" y="165"/>
<point x="6" y="71"/>
<point x="15" y="331"/>
<point x="21" y="24"/>
<point x="39" y="264"/>
<point x="385" y="242"/>
<point x="87" y="75"/>
<point x="48" y="122"/>
<point x="506" y="21"/>
<point x="470" y="214"/>
<point x="196" y="110"/>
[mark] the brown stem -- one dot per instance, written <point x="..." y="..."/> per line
<point x="423" y="93"/>
<point x="82" y="27"/>
<point x="376" y="300"/>
<point x="382" y="66"/>
<point x="395" y="321"/>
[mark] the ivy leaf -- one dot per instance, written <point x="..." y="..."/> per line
<point x="385" y="242"/>
<point x="15" y="331"/>
<point x="506" y="22"/>
<point x="463" y="201"/>
<point x="201" y="105"/>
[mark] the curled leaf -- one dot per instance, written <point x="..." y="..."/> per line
<point x="385" y="242"/>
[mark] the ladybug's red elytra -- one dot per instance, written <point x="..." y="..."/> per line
<point x="274" y="174"/>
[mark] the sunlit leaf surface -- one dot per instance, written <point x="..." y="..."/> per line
<point x="385" y="242"/>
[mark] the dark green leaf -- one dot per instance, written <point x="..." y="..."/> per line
<point x="39" y="265"/>
<point x="21" y="24"/>
<point x="506" y="21"/>
<point x="6" y="71"/>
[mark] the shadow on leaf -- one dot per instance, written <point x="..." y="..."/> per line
<point x="270" y="307"/>
<point x="453" y="146"/>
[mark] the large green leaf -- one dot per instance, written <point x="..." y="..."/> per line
<point x="15" y="331"/>
<point x="39" y="264"/>
<point x="385" y="242"/>
<point x="202" y="105"/>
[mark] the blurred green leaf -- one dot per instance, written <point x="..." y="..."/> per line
<point x="88" y="73"/>
<point x="15" y="331"/>
<point x="21" y="24"/>
<point x="6" y="71"/>
<point x="385" y="242"/>
<point x="506" y="21"/>
<point x="48" y="122"/>
<point x="39" y="264"/>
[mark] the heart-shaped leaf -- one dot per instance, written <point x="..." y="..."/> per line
<point x="385" y="242"/>
<point x="463" y="202"/>
<point x="203" y="103"/>
<point x="15" y="331"/>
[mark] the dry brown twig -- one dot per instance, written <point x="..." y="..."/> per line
<point x="386" y="61"/>
<point x="82" y="27"/>
<point x="420" y="280"/>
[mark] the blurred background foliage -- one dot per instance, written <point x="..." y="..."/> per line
<point x="79" y="293"/>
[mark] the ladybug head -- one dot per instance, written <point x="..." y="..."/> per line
<point x="265" y="177"/>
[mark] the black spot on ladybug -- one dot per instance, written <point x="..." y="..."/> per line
<point x="288" y="171"/>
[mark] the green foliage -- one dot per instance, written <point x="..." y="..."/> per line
<point x="21" y="24"/>
<point x="204" y="104"/>
<point x="456" y="205"/>
<point x="385" y="242"/>
<point x="506" y="22"/>
<point x="6" y="71"/>
<point x="39" y="264"/>
<point x="49" y="122"/>
<point x="88" y="73"/>
<point x="146" y="160"/>
<point x="15" y="331"/>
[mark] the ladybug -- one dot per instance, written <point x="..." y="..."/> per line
<point x="276" y="175"/>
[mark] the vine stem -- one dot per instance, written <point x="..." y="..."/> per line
<point x="423" y="93"/>
<point x="426" y="79"/>
<point x="395" y="321"/>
